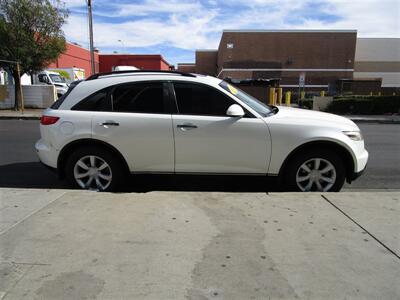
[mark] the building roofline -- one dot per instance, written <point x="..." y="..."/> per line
<point x="74" y="44"/>
<point x="186" y="64"/>
<point x="291" y="30"/>
<point x="132" y="54"/>
<point x="158" y="56"/>
<point x="378" y="38"/>
<point x="206" y="50"/>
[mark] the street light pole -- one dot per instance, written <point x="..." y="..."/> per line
<point x="89" y="3"/>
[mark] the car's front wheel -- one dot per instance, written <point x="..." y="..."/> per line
<point x="94" y="169"/>
<point x="316" y="171"/>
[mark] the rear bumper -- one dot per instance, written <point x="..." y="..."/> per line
<point x="47" y="154"/>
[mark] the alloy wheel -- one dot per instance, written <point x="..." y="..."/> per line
<point x="316" y="174"/>
<point x="92" y="173"/>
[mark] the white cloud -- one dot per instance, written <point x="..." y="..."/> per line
<point x="75" y="3"/>
<point x="371" y="18"/>
<point x="157" y="6"/>
<point x="191" y="25"/>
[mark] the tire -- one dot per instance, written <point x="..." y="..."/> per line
<point x="300" y="174"/>
<point x="104" y="172"/>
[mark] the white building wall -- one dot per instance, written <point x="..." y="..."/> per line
<point x="382" y="56"/>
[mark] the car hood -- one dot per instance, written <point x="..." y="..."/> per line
<point x="315" y="118"/>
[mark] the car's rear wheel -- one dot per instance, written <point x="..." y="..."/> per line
<point x="315" y="171"/>
<point x="94" y="169"/>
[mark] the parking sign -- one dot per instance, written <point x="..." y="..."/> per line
<point x="302" y="79"/>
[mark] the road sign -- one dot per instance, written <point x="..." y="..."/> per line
<point x="302" y="79"/>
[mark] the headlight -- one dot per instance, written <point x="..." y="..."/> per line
<point x="354" y="135"/>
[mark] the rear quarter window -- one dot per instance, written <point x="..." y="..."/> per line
<point x="98" y="101"/>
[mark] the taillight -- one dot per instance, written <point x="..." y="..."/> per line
<point x="48" y="120"/>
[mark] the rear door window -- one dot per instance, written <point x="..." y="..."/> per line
<point x="146" y="97"/>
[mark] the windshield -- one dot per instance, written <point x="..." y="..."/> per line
<point x="57" y="78"/>
<point x="263" y="109"/>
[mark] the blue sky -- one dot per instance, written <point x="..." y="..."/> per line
<point x="176" y="28"/>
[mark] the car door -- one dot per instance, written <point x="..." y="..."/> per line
<point x="208" y="141"/>
<point x="139" y="125"/>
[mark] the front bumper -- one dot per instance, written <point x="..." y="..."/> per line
<point x="355" y="175"/>
<point x="361" y="165"/>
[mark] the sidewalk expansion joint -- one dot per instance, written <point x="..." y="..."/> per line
<point x="359" y="225"/>
<point x="30" y="215"/>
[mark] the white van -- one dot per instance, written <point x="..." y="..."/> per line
<point x="53" y="78"/>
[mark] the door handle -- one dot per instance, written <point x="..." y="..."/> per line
<point x="186" y="126"/>
<point x="108" y="123"/>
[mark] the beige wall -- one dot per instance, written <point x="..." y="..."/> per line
<point x="378" y="58"/>
<point x="35" y="96"/>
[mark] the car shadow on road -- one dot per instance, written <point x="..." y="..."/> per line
<point x="35" y="175"/>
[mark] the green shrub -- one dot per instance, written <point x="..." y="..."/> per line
<point x="307" y="103"/>
<point x="365" y="105"/>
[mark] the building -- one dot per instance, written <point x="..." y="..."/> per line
<point x="323" y="56"/>
<point x="76" y="56"/>
<point x="140" y="61"/>
<point x="378" y="59"/>
<point x="330" y="60"/>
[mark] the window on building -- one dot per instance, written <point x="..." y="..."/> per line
<point x="139" y="98"/>
<point x="197" y="99"/>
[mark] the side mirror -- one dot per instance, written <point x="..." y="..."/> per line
<point x="235" y="110"/>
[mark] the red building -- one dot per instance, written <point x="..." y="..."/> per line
<point x="78" y="57"/>
<point x="140" y="61"/>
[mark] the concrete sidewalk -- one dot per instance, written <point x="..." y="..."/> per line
<point x="59" y="244"/>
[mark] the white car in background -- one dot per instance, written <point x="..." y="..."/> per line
<point x="117" y="123"/>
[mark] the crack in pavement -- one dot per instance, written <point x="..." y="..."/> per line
<point x="363" y="228"/>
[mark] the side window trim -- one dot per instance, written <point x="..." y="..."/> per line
<point x="172" y="82"/>
<point x="172" y="98"/>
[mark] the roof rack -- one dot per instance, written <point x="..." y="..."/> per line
<point x="97" y="75"/>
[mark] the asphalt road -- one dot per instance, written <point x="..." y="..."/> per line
<point x="19" y="166"/>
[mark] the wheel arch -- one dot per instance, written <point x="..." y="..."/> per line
<point x="70" y="147"/>
<point x="345" y="153"/>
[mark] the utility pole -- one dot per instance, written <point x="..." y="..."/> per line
<point x="89" y="3"/>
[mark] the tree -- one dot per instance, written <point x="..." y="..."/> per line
<point x="30" y="33"/>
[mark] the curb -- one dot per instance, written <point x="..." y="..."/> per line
<point x="379" y="121"/>
<point x="19" y="117"/>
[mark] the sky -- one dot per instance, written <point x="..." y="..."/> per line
<point x="176" y="28"/>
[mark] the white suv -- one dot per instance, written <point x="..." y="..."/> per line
<point x="113" y="124"/>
